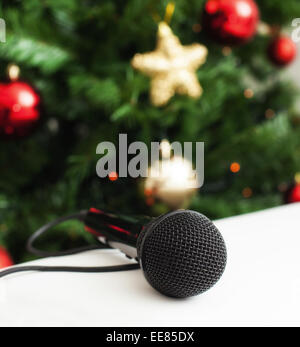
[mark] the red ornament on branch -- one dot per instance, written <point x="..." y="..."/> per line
<point x="5" y="258"/>
<point x="282" y="51"/>
<point x="18" y="109"/>
<point x="231" y="22"/>
<point x="294" y="194"/>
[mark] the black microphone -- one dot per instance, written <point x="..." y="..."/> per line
<point x="181" y="253"/>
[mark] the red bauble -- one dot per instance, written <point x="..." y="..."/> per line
<point x="231" y="22"/>
<point x="294" y="194"/>
<point x="5" y="259"/>
<point x="18" y="109"/>
<point x="282" y="51"/>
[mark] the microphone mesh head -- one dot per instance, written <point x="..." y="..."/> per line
<point x="182" y="254"/>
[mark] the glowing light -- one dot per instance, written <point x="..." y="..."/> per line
<point x="226" y="51"/>
<point x="247" y="192"/>
<point x="197" y="28"/>
<point x="248" y="93"/>
<point x="26" y="99"/>
<point x="177" y="173"/>
<point x="148" y="192"/>
<point x="264" y="29"/>
<point x="270" y="114"/>
<point x="113" y="176"/>
<point x="172" y="181"/>
<point x="150" y="201"/>
<point x="13" y="72"/>
<point x="173" y="175"/>
<point x="235" y="167"/>
<point x="283" y="187"/>
<point x="53" y="125"/>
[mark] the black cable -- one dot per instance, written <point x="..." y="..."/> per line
<point x="78" y="216"/>
<point x="115" y="268"/>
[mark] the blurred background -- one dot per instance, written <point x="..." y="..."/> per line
<point x="71" y="78"/>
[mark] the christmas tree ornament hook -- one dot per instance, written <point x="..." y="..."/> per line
<point x="170" y="9"/>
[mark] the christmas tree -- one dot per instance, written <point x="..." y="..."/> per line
<point x="76" y="56"/>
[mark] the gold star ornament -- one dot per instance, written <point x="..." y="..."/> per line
<point x="171" y="67"/>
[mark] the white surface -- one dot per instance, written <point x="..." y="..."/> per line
<point x="261" y="285"/>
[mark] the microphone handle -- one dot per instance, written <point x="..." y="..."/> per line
<point x="117" y="231"/>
